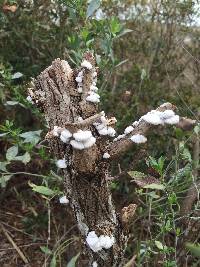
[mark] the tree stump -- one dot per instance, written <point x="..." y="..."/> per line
<point x="62" y="94"/>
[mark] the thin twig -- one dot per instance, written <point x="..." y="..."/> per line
<point x="14" y="245"/>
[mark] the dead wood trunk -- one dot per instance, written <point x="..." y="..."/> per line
<point x="86" y="183"/>
<point x="85" y="177"/>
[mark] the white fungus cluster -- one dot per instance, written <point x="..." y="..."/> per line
<point x="128" y="129"/>
<point x="63" y="200"/>
<point x="119" y="137"/>
<point x="86" y="64"/>
<point x="94" y="264"/>
<point x="92" y="93"/>
<point x="106" y="155"/>
<point x="156" y="117"/>
<point x="93" y="97"/>
<point x="138" y="138"/>
<point x="97" y="243"/>
<point x="80" y="119"/>
<point x="29" y="99"/>
<point x="56" y="131"/>
<point x="83" y="139"/>
<point x="61" y="163"/>
<point x="65" y="136"/>
<point x="79" y="80"/>
<point x="79" y="140"/>
<point x="135" y="123"/>
<point x="103" y="128"/>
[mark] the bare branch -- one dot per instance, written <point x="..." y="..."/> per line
<point x="84" y="123"/>
<point x="119" y="147"/>
<point x="186" y="124"/>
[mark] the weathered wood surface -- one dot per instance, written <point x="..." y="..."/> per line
<point x="87" y="173"/>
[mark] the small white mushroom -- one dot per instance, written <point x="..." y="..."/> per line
<point x="65" y="136"/>
<point x="106" y="155"/>
<point x="86" y="64"/>
<point x="63" y="200"/>
<point x="128" y="129"/>
<point x="61" y="163"/>
<point x="152" y="117"/>
<point x="29" y="99"/>
<point x="56" y="131"/>
<point x="79" y="79"/>
<point x="93" y="241"/>
<point x="94" y="264"/>
<point x="173" y="120"/>
<point x="82" y="135"/>
<point x="106" y="241"/>
<point x="90" y="142"/>
<point x="138" y="138"/>
<point x="93" y="88"/>
<point x="93" y="97"/>
<point x="77" y="145"/>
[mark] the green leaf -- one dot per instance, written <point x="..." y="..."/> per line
<point x="194" y="249"/>
<point x="159" y="245"/>
<point x="12" y="103"/>
<point x="186" y="155"/>
<point x="3" y="134"/>
<point x="12" y="153"/>
<point x="46" y="250"/>
<point x="24" y="158"/>
<point x="143" y="180"/>
<point x="183" y="172"/>
<point x="72" y="262"/>
<point x="92" y="7"/>
<point x="57" y="177"/>
<point x="137" y="175"/>
<point x="196" y="129"/>
<point x="143" y="74"/>
<point x="32" y="137"/>
<point x="155" y="186"/>
<point x="121" y="63"/>
<point x="123" y="32"/>
<point x="53" y="262"/>
<point x="161" y="162"/>
<point x="115" y="25"/>
<point x="84" y="33"/>
<point x="3" y="166"/>
<point x="42" y="190"/>
<point x="179" y="133"/>
<point x="152" y="194"/>
<point x="17" y="75"/>
<point x="157" y="165"/>
<point x="89" y="42"/>
<point x="4" y="179"/>
<point x="152" y="162"/>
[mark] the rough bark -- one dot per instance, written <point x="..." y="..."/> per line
<point x="86" y="185"/>
<point x="86" y="175"/>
